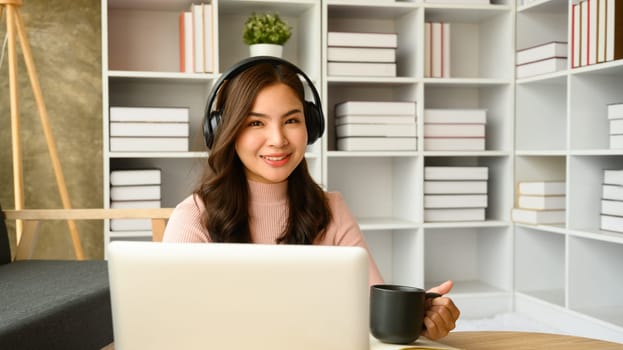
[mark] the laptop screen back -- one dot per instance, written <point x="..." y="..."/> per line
<point x="238" y="296"/>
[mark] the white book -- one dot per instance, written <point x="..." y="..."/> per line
<point x="613" y="177"/>
<point x="609" y="207"/>
<point x="549" y="65"/>
<point x="613" y="192"/>
<point x="135" y="177"/>
<point x="616" y="126"/>
<point x="615" y="111"/>
<point x="541" y="202"/>
<point x="375" y="119"/>
<point x="616" y="141"/>
<point x="611" y="223"/>
<point x="427" y="49"/>
<point x="538" y="217"/>
<point x="455" y="115"/>
<point x="454" y="130"/>
<point x="455" y="187"/>
<point x="142" y="235"/>
<point x="377" y="144"/>
<point x="542" y="188"/>
<point x="445" y="50"/>
<point x="584" y="18"/>
<point x="375" y="108"/>
<point x="575" y="35"/>
<point x="359" y="39"/>
<point x="454" y="144"/>
<point x="130" y="224"/>
<point x="135" y="204"/>
<point x="601" y="31"/>
<point x="436" y="46"/>
<point x="149" y="144"/>
<point x="450" y="215"/>
<point x="592" y="32"/>
<point x="543" y="51"/>
<point x="150" y="114"/>
<point x="380" y="130"/>
<point x="149" y="129"/>
<point x="361" y="54"/>
<point x="456" y="173"/>
<point x="455" y="201"/>
<point x="186" y="42"/>
<point x="197" y="16"/>
<point x="363" y="69"/>
<point x="208" y="39"/>
<point x="135" y="193"/>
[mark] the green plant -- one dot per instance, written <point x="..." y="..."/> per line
<point x="266" y="28"/>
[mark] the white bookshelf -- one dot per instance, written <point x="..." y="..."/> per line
<point x="561" y="133"/>
<point x="541" y="128"/>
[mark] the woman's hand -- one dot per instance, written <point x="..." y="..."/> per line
<point x="441" y="313"/>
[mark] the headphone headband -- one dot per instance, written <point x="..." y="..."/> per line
<point x="212" y="118"/>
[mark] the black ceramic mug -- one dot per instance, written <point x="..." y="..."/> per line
<point x="397" y="312"/>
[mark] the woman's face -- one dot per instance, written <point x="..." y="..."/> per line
<point x="274" y="137"/>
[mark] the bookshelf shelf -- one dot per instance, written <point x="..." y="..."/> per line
<point x="561" y="133"/>
<point x="548" y="127"/>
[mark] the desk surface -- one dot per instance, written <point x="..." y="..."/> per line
<point x="524" y="341"/>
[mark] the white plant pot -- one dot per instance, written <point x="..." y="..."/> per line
<point x="266" y="50"/>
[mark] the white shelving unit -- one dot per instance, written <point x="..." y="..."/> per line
<point x="545" y="128"/>
<point x="562" y="134"/>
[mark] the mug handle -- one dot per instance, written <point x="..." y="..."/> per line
<point x="430" y="295"/>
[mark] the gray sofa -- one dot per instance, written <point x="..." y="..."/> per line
<point x="52" y="304"/>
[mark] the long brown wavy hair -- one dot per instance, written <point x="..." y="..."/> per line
<point x="224" y="187"/>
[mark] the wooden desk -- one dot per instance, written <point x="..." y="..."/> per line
<point x="524" y="341"/>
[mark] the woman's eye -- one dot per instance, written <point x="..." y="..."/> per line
<point x="255" y="123"/>
<point x="292" y="121"/>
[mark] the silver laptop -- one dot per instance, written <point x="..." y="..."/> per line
<point x="238" y="296"/>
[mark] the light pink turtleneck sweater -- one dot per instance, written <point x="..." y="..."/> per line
<point x="268" y="214"/>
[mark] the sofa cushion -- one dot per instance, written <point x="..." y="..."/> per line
<point x="55" y="305"/>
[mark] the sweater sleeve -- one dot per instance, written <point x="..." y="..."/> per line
<point x="344" y="231"/>
<point x="185" y="225"/>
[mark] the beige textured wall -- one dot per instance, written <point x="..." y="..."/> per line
<point x="65" y="37"/>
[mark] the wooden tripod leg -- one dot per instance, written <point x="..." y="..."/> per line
<point x="18" y="181"/>
<point x="45" y="123"/>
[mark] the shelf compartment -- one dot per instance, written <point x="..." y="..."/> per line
<point x="377" y="187"/>
<point x="545" y="6"/>
<point x="397" y="254"/>
<point x="589" y="96"/>
<point x="541" y="25"/>
<point x="596" y="263"/>
<point x="540" y="168"/>
<point x="585" y="179"/>
<point x="540" y="264"/>
<point x="541" y="116"/>
<point x="496" y="99"/>
<point x="399" y="18"/>
<point x="499" y="199"/>
<point x="479" y="45"/>
<point x="478" y="260"/>
<point x="301" y="49"/>
<point x="163" y="93"/>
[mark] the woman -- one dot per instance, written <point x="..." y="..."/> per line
<point x="257" y="187"/>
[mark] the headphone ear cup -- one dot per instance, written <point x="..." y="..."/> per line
<point x="210" y="124"/>
<point x="314" y="122"/>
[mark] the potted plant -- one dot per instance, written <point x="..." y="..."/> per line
<point x="265" y="34"/>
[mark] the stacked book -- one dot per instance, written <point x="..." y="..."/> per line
<point x="376" y="126"/>
<point x="196" y="39"/>
<point x="596" y="32"/>
<point x="544" y="58"/>
<point x="149" y="129"/>
<point x="437" y="50"/>
<point x="361" y="54"/>
<point x="134" y="189"/>
<point x="540" y="203"/>
<point x="612" y="201"/>
<point x="454" y="129"/>
<point x="455" y="193"/>
<point x="615" y="117"/>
